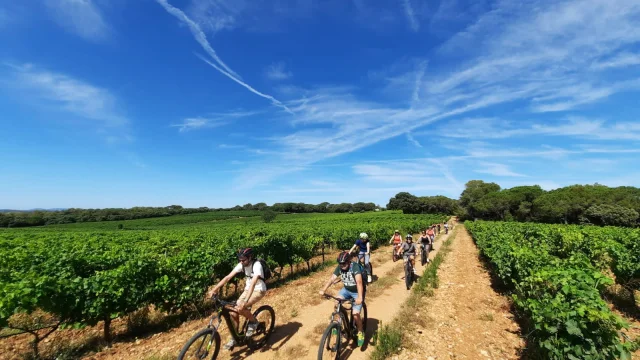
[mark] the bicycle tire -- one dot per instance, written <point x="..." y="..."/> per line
<point x="326" y="346"/>
<point x="408" y="274"/>
<point x="267" y="330"/>
<point x="424" y="256"/>
<point x="215" y="341"/>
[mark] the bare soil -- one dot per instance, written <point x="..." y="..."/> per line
<point x="466" y="318"/>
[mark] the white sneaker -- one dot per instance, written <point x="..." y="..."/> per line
<point x="251" y="328"/>
<point x="229" y="345"/>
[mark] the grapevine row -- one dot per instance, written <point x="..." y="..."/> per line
<point x="556" y="275"/>
<point x="83" y="277"/>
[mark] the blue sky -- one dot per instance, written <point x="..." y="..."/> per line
<point x="114" y="103"/>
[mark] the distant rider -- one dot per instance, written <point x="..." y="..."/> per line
<point x="364" y="251"/>
<point x="396" y="239"/>
<point x="408" y="250"/>
<point x="425" y="244"/>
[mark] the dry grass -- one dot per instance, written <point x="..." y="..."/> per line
<point x="297" y="351"/>
<point x="487" y="316"/>
<point x="319" y="329"/>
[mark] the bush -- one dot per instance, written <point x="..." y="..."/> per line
<point x="269" y="215"/>
<point x="612" y="215"/>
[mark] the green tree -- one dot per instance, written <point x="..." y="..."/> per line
<point x="269" y="215"/>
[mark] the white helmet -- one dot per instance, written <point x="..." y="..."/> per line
<point x="364" y="236"/>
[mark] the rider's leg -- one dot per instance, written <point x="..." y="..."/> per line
<point x="413" y="262"/>
<point x="348" y="295"/>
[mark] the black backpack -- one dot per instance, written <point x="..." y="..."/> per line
<point x="265" y="269"/>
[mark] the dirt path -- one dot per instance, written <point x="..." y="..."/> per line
<point x="382" y="304"/>
<point x="466" y="318"/>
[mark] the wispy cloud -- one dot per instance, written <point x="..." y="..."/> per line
<point x="413" y="141"/>
<point x="573" y="126"/>
<point x="277" y="71"/>
<point x="411" y="17"/>
<point x="219" y="65"/>
<point x="81" y="17"/>
<point x="212" y="120"/>
<point x="621" y="60"/>
<point x="66" y="93"/>
<point x="496" y="169"/>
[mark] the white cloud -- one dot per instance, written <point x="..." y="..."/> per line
<point x="621" y="60"/>
<point x="411" y="17"/>
<point x="413" y="141"/>
<point x="277" y="71"/>
<point x="212" y="120"/>
<point x="573" y="126"/>
<point x="69" y="94"/>
<point x="82" y="17"/>
<point x="535" y="53"/>
<point x="219" y="65"/>
<point x="496" y="169"/>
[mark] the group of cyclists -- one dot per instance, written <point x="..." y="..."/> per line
<point x="349" y="271"/>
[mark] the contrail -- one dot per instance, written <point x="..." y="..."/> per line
<point x="201" y="38"/>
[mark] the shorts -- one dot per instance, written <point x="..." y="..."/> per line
<point x="348" y="295"/>
<point x="364" y="255"/>
<point x="255" y="297"/>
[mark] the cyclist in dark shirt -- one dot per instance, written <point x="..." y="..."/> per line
<point x="351" y="275"/>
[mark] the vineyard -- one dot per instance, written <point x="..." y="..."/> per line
<point x="81" y="277"/>
<point x="557" y="274"/>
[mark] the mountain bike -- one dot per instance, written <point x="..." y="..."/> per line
<point x="394" y="255"/>
<point x="341" y="329"/>
<point x="205" y="344"/>
<point x="408" y="272"/>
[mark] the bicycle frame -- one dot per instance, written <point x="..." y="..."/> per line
<point x="224" y="312"/>
<point x="339" y="309"/>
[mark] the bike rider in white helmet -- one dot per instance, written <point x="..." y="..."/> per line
<point x="364" y="250"/>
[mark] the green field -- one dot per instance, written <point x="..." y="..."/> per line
<point x="557" y="275"/>
<point x="84" y="273"/>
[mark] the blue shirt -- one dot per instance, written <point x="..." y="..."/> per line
<point x="362" y="245"/>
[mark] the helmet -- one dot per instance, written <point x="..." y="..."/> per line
<point x="344" y="257"/>
<point x="397" y="231"/>
<point x="409" y="237"/>
<point x="248" y="252"/>
<point x="364" y="236"/>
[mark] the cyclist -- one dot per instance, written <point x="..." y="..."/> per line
<point x="425" y="244"/>
<point x="431" y="233"/>
<point x="254" y="290"/>
<point x="396" y="239"/>
<point x="438" y="228"/>
<point x="408" y="250"/>
<point x="364" y="251"/>
<point x="351" y="275"/>
<point x="446" y="227"/>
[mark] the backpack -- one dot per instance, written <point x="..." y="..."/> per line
<point x="265" y="269"/>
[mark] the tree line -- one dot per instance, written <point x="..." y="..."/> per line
<point x="74" y="215"/>
<point x="576" y="204"/>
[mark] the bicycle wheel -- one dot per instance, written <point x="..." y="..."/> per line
<point x="330" y="344"/>
<point x="266" y="321"/>
<point x="205" y="344"/>
<point x="408" y="274"/>
<point x="424" y="255"/>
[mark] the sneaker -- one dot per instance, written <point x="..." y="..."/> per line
<point x="334" y="331"/>
<point x="369" y="279"/>
<point x="251" y="328"/>
<point x="230" y="344"/>
<point x="360" y="338"/>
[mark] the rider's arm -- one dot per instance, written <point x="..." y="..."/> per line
<point x="222" y="282"/>
<point x="326" y="286"/>
<point x="360" y="288"/>
<point x="368" y="247"/>
<point x="353" y="248"/>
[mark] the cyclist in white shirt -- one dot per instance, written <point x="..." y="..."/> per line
<point x="254" y="290"/>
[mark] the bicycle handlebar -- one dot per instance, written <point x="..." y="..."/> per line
<point x="327" y="296"/>
<point x="223" y="302"/>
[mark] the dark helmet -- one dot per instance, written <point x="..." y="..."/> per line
<point x="344" y="257"/>
<point x="248" y="253"/>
